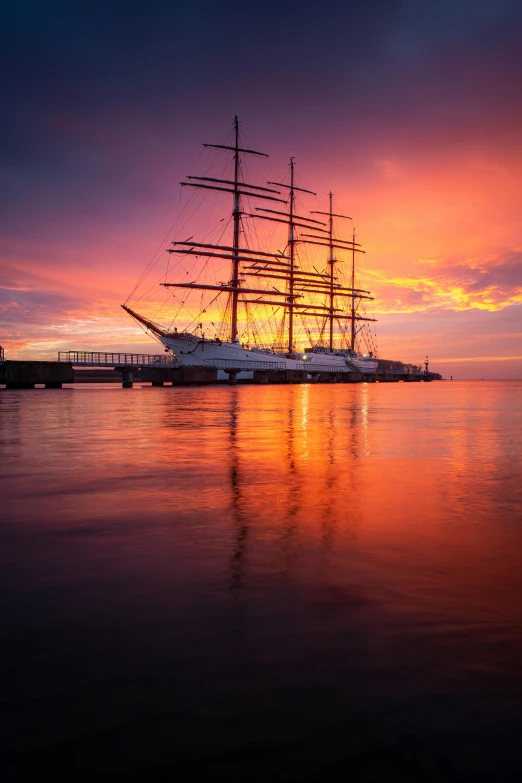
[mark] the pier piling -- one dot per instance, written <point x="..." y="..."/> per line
<point x="232" y="377"/>
<point x="127" y="379"/>
<point x="183" y="375"/>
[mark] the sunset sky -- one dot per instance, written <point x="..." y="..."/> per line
<point x="409" y="111"/>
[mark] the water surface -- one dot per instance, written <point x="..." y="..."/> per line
<point x="310" y="582"/>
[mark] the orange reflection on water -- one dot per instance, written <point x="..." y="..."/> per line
<point x="408" y="483"/>
<point x="407" y="490"/>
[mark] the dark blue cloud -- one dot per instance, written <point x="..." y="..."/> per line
<point x="93" y="92"/>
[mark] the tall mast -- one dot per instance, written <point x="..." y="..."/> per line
<point x="291" y="219"/>
<point x="236" y="214"/>
<point x="235" y="252"/>
<point x="352" y="342"/>
<point x="331" y="263"/>
<point x="330" y="243"/>
<point x="291" y="247"/>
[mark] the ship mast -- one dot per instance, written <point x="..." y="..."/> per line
<point x="234" y="252"/>
<point x="352" y="341"/>
<point x="236" y="215"/>
<point x="291" y="247"/>
<point x="340" y="244"/>
<point x="331" y="264"/>
<point x="290" y="219"/>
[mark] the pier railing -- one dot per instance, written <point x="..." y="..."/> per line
<point x="314" y="367"/>
<point x="240" y="364"/>
<point x="103" y="359"/>
<point x="99" y="359"/>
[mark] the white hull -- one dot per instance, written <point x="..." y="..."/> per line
<point x="192" y="350"/>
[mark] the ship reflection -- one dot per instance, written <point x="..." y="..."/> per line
<point x="301" y="482"/>
<point x="240" y="519"/>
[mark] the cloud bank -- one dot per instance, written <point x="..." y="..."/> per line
<point x="464" y="284"/>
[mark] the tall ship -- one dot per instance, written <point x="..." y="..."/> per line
<point x="261" y="284"/>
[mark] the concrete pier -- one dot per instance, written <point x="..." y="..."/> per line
<point x="354" y="377"/>
<point x="26" y="375"/>
<point x="161" y="370"/>
<point x="179" y="376"/>
<point x="396" y="377"/>
<point x="279" y="376"/>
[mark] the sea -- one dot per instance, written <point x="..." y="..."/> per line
<point x="262" y="583"/>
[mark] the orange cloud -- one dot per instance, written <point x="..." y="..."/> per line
<point x="465" y="284"/>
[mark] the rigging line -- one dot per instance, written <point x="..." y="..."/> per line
<point x="203" y="198"/>
<point x="183" y="306"/>
<point x="217" y="231"/>
<point x="155" y="284"/>
<point x="174" y="226"/>
<point x="204" y="306"/>
<point x="261" y="331"/>
<point x="167" y="267"/>
<point x="153" y="287"/>
<point x="254" y="310"/>
<point x="265" y="331"/>
<point x="158" y="281"/>
<point x="212" y="208"/>
<point x="145" y="330"/>
<point x="139" y="299"/>
<point x="201" y="271"/>
<point x="252" y="230"/>
<point x="151" y="263"/>
<point x="208" y="230"/>
<point x="178" y="311"/>
<point x="253" y="238"/>
<point x="223" y="228"/>
<point x="197" y="317"/>
<point x="156" y="256"/>
<point x="158" y="311"/>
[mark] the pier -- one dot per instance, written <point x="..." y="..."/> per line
<point x="165" y="369"/>
<point x="125" y="363"/>
<point x="26" y="375"/>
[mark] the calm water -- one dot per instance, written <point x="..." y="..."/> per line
<point x="278" y="583"/>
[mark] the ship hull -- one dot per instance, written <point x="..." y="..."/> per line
<point x="191" y="350"/>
